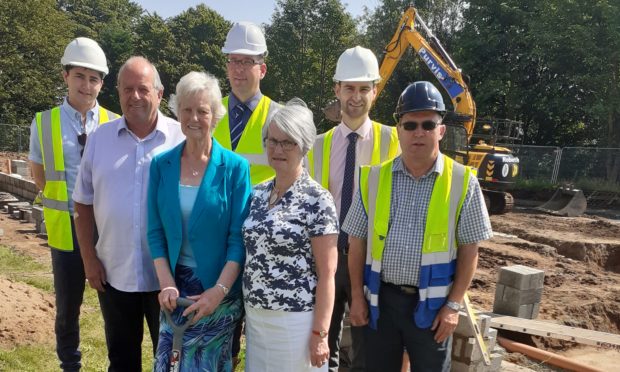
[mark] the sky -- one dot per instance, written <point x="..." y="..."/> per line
<point x="257" y="11"/>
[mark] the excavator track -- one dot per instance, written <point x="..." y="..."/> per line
<point x="498" y="202"/>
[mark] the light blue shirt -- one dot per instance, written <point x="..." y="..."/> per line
<point x="71" y="127"/>
<point x="187" y="196"/>
<point x="113" y="178"/>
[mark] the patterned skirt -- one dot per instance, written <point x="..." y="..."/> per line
<point x="207" y="344"/>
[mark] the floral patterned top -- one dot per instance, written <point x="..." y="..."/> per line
<point x="279" y="271"/>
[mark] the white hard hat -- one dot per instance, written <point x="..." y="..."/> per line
<point x="245" y="38"/>
<point x="85" y="52"/>
<point x="357" y="64"/>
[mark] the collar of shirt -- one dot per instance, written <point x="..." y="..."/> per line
<point x="363" y="131"/>
<point x="92" y="115"/>
<point x="251" y="103"/>
<point x="436" y="168"/>
<point x="161" y="126"/>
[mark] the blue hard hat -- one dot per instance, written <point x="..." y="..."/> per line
<point x="420" y="96"/>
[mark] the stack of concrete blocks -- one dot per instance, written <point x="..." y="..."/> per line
<point x="466" y="355"/>
<point x="518" y="291"/>
<point x="20" y="167"/>
<point x="37" y="218"/>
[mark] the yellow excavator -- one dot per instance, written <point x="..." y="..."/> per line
<point x="467" y="140"/>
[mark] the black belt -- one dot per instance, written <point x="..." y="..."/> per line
<point x="405" y="289"/>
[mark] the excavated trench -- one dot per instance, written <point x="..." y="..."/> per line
<point x="604" y="254"/>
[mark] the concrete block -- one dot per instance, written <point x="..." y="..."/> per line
<point x="37" y="213"/>
<point x="457" y="346"/>
<point x="27" y="216"/>
<point x="6" y="198"/>
<point x="42" y="229"/>
<point x="517" y="297"/>
<point x="471" y="351"/>
<point x="484" y="322"/>
<point x="496" y="363"/>
<point x="463" y="328"/>
<point x="525" y="311"/>
<point x="17" y="214"/>
<point x="491" y="339"/>
<point x="521" y="277"/>
<point x="20" y="167"/>
<point x="16" y="206"/>
<point x="535" y="310"/>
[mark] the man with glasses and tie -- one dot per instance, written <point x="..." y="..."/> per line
<point x="247" y="109"/>
<point x="57" y="140"/>
<point x="240" y="130"/>
<point x="334" y="162"/>
<point x="414" y="229"/>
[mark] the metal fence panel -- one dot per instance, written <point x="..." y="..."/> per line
<point x="536" y="162"/>
<point x="589" y="163"/>
<point x="14" y="137"/>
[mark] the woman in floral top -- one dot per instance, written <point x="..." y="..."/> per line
<point x="290" y="238"/>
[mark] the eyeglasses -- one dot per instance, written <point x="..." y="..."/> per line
<point x="82" y="141"/>
<point x="286" y="144"/>
<point x="413" y="125"/>
<point x="245" y="63"/>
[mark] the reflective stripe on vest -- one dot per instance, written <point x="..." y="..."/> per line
<point x="250" y="144"/>
<point x="55" y="199"/>
<point x="439" y="247"/>
<point x="384" y="147"/>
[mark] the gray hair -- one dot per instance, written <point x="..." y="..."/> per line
<point x="296" y="121"/>
<point x="156" y="80"/>
<point x="199" y="82"/>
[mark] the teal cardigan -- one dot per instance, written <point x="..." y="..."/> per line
<point x="214" y="226"/>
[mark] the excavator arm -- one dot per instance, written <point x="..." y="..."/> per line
<point x="436" y="59"/>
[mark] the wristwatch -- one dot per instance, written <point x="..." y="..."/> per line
<point x="453" y="305"/>
<point x="321" y="333"/>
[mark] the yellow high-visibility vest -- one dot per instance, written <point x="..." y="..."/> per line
<point x="250" y="144"/>
<point x="385" y="147"/>
<point x="55" y="196"/>
<point x="439" y="248"/>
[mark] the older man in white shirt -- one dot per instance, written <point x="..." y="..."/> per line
<point x="110" y="198"/>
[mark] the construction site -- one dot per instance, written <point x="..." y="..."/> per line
<point x="576" y="262"/>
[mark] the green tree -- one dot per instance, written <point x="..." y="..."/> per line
<point x="305" y="39"/>
<point x="33" y="35"/>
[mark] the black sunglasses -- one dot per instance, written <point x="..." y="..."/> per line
<point x="82" y="141"/>
<point x="413" y="125"/>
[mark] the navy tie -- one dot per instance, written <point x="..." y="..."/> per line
<point x="236" y="129"/>
<point x="347" y="191"/>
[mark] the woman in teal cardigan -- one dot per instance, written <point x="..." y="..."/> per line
<point x="198" y="198"/>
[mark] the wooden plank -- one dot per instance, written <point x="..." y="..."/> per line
<point x="559" y="331"/>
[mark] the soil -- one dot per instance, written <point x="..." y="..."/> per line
<point x="580" y="257"/>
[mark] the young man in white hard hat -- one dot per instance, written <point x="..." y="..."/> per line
<point x="334" y="163"/>
<point x="240" y="130"/>
<point x="57" y="140"/>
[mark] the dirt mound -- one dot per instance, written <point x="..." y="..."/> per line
<point x="588" y="239"/>
<point x="26" y="314"/>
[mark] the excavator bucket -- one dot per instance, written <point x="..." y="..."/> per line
<point x="565" y="202"/>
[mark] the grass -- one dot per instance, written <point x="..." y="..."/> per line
<point x="42" y="357"/>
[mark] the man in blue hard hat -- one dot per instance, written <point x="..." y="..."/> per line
<point x="410" y="271"/>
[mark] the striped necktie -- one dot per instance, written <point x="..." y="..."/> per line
<point x="236" y="130"/>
